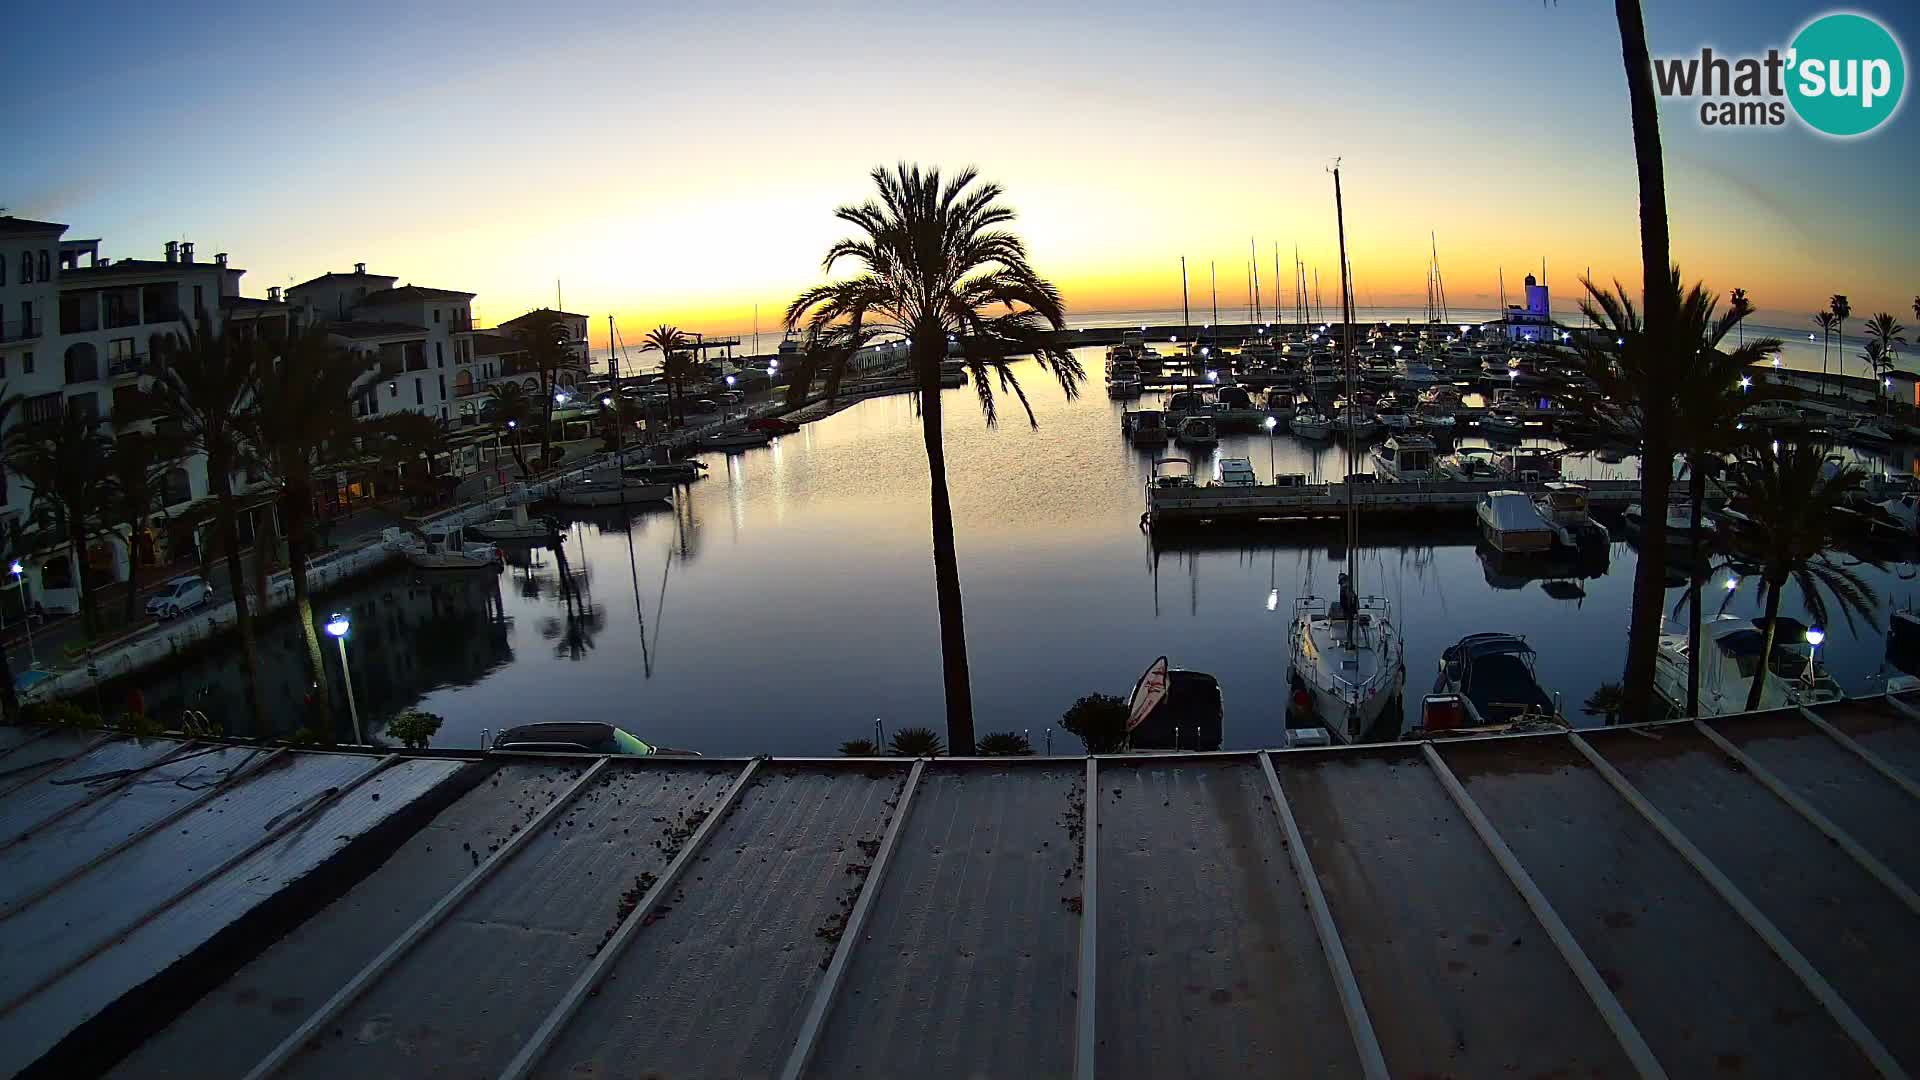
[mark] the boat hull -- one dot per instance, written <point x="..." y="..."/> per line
<point x="614" y="494"/>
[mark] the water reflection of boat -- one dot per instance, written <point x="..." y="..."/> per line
<point x="1508" y="571"/>
<point x="1487" y="683"/>
<point x="1730" y="648"/>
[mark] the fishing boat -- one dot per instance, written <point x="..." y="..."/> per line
<point x="1405" y="458"/>
<point x="1197" y="431"/>
<point x="612" y="489"/>
<point x="1346" y="662"/>
<point x="516" y="527"/>
<point x="1310" y="423"/>
<point x="1146" y="427"/>
<point x="736" y="440"/>
<point x="1730" y="649"/>
<point x="1487" y="684"/>
<point x="1510" y="522"/>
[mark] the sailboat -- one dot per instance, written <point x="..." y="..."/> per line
<point x="1346" y="662"/>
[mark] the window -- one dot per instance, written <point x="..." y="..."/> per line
<point x="419" y="391"/>
<point x="120" y="357"/>
<point x="120" y="307"/>
<point x="83" y="362"/>
<point x="443" y="389"/>
<point x="439" y="355"/>
<point x="199" y="305"/>
<point x="42" y="408"/>
<point x="436" y="314"/>
<point x="27" y="329"/>
<point x="160" y="303"/>
<point x="26" y="268"/>
<point x="175" y="488"/>
<point x="3" y="271"/>
<point x="26" y="363"/>
<point x="79" y="312"/>
<point x="46" y="266"/>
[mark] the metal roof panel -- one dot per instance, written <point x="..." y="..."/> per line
<point x="75" y="782"/>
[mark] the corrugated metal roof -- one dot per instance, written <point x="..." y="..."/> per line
<point x="1683" y="898"/>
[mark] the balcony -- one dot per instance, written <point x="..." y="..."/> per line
<point x="129" y="364"/>
<point x="20" y="329"/>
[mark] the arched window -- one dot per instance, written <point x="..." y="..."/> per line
<point x="83" y="362"/>
<point x="46" y="266"/>
<point x="463" y="384"/>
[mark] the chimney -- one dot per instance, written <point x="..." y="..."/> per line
<point x="173" y="250"/>
<point x="359" y="268"/>
<point x="186" y="251"/>
<point x="220" y="259"/>
<point x="273" y="294"/>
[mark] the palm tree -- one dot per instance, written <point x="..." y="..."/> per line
<point x="1664" y="391"/>
<point x="1792" y="501"/>
<point x="916" y="742"/>
<point x="859" y="748"/>
<point x="509" y="408"/>
<point x="1656" y="254"/>
<point x="136" y="466"/>
<point x="64" y="460"/>
<point x="1713" y="392"/>
<point x="675" y="363"/>
<point x="1605" y="702"/>
<point x="547" y="352"/>
<point x="1884" y="338"/>
<point x="1841" y="309"/>
<point x="408" y="444"/>
<point x="204" y="389"/>
<point x="1826" y="322"/>
<point x="1737" y="302"/>
<point x="830" y="352"/>
<point x="938" y="267"/>
<point x="302" y="418"/>
<point x="13" y="545"/>
<point x="1005" y="744"/>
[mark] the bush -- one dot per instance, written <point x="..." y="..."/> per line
<point x="58" y="714"/>
<point x="1004" y="744"/>
<point x="414" y="728"/>
<point x="1100" y="720"/>
<point x="917" y="742"/>
<point x="859" y="748"/>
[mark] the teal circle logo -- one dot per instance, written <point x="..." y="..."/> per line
<point x="1847" y="74"/>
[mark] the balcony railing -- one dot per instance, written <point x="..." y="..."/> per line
<point x="129" y="364"/>
<point x="20" y="329"/>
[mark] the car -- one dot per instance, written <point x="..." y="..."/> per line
<point x="734" y="397"/>
<point x="704" y="405"/>
<point x="180" y="595"/>
<point x="576" y="737"/>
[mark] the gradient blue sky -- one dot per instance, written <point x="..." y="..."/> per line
<point x="679" y="162"/>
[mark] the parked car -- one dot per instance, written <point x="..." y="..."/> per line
<point x="704" y="405"/>
<point x="180" y="595"/>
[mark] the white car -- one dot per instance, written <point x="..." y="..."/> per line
<point x="182" y="594"/>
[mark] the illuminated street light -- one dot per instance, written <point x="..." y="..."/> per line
<point x="338" y="625"/>
<point x="26" y="613"/>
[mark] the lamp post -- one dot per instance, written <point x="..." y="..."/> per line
<point x="1272" y="422"/>
<point x="1815" y="636"/>
<point x="26" y="616"/>
<point x="338" y="625"/>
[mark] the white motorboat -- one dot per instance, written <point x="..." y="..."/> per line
<point x="736" y="440"/>
<point x="1528" y="464"/>
<point x="1197" y="431"/>
<point x="1864" y="432"/>
<point x="442" y="549"/>
<point x="1434" y="418"/>
<point x="514" y="528"/>
<point x="1310" y="423"/>
<point x="1123" y="389"/>
<point x="1470" y="463"/>
<point x="1346" y="666"/>
<point x="1415" y="373"/>
<point x="1510" y="522"/>
<point x="1564" y="507"/>
<point x="1503" y="425"/>
<point x="1903" y="512"/>
<point x="1355" y="422"/>
<point x="612" y="489"/>
<point x="1730" y="649"/>
<point x="1235" y="472"/>
<point x="1170" y="474"/>
<point x="1393" y="418"/>
<point x="668" y="472"/>
<point x="1406" y="459"/>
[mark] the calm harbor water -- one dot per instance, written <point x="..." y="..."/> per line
<point x="786" y="601"/>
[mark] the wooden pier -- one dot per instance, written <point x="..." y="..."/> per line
<point x="1218" y="504"/>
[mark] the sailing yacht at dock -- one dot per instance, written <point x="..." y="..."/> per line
<point x="1346" y="663"/>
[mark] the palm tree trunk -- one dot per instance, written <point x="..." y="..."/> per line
<point x="1766" y="646"/>
<point x="229" y="515"/>
<point x="946" y="564"/>
<point x="9" y="699"/>
<point x="265" y="546"/>
<point x="133" y="569"/>
<point x="546" y="420"/>
<point x="1649" y="592"/>
<point x="299" y="503"/>
<point x="1826" y="336"/>
<point x="1697" y="489"/>
<point x="77" y="548"/>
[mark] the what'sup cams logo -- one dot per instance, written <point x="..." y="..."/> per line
<point x="1843" y="76"/>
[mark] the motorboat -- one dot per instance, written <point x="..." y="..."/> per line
<point x="1435" y="419"/>
<point x="516" y="527"/>
<point x="1865" y="432"/>
<point x="1503" y="425"/>
<point x="667" y="472"/>
<point x="1174" y="709"/>
<point x="773" y="425"/>
<point x="1565" y="508"/>
<point x="1197" y="431"/>
<point x="1393" y="418"/>
<point x="1730" y="648"/>
<point x="1405" y="458"/>
<point x="1146" y="427"/>
<point x="1470" y="463"/>
<point x="442" y="549"/>
<point x="1186" y="403"/>
<point x="1234" y="408"/>
<point x="1310" y="423"/>
<point x="1510" y="522"/>
<point x="1487" y="684"/>
<point x="1903" y="513"/>
<point x="1414" y="373"/>
<point x="1679" y="519"/>
<point x="1123" y="389"/>
<point x="1528" y="464"/>
<point x="612" y="489"/>
<point x="1235" y="472"/>
<point x="1355" y="422"/>
<point x="1170" y="474"/>
<point x="735" y="440"/>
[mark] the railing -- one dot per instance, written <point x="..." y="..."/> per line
<point x="130" y="364"/>
<point x="20" y="329"/>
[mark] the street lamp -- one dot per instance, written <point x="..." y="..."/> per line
<point x="26" y="616"/>
<point x="338" y="625"/>
<point x="1815" y="636"/>
<point x="1272" y="422"/>
<point x="560" y="398"/>
<point x="1746" y="382"/>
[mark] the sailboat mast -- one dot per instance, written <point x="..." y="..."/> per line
<point x="1253" y="260"/>
<point x="1346" y="312"/>
<point x="1213" y="276"/>
<point x="1186" y="315"/>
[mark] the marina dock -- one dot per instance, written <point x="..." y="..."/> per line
<point x="1738" y="890"/>
<point x="1218" y="504"/>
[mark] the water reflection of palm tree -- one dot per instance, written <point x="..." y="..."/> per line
<point x="940" y="270"/>
<point x="1792" y="500"/>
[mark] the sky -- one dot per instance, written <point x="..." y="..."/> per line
<point x="679" y="163"/>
